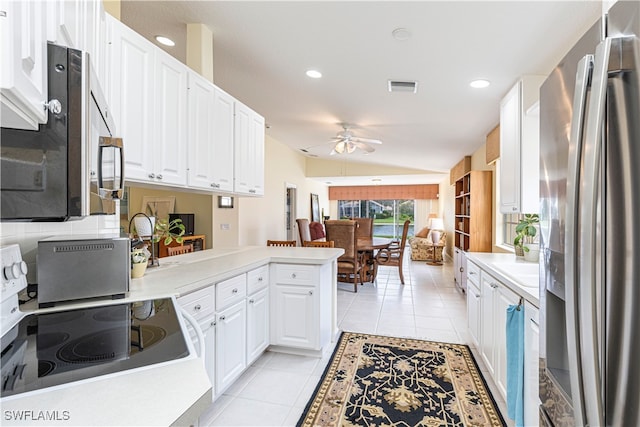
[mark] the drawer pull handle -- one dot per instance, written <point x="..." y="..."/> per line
<point x="534" y="322"/>
<point x="472" y="272"/>
<point x="260" y="279"/>
<point x="197" y="307"/>
<point x="293" y="275"/>
<point x="223" y="317"/>
<point x="251" y="301"/>
<point x="213" y="323"/>
<point x="235" y="290"/>
<point x="310" y="292"/>
<point x="477" y="296"/>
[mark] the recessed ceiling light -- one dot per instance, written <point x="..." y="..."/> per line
<point x="165" y="41"/>
<point x="401" y="34"/>
<point x="314" y="74"/>
<point x="480" y="83"/>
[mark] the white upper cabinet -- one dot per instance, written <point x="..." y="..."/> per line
<point x="170" y="120"/>
<point x="222" y="164"/>
<point x="520" y="147"/>
<point x="201" y="131"/>
<point x="210" y="135"/>
<point x="249" y="151"/>
<point x="23" y="81"/>
<point x="131" y="97"/>
<point x="148" y="95"/>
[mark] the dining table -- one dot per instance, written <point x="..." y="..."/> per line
<point x="366" y="247"/>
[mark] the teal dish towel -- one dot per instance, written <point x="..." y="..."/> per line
<point x="515" y="363"/>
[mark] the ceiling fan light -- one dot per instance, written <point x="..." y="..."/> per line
<point x="339" y="148"/>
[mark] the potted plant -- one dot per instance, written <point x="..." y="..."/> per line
<point x="526" y="232"/>
<point x="139" y="261"/>
<point x="169" y="231"/>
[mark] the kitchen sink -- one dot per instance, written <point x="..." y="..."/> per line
<point x="525" y="273"/>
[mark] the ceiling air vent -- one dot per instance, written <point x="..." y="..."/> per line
<point x="403" y="86"/>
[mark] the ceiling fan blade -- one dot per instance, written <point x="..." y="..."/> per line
<point x="367" y="140"/>
<point x="364" y="147"/>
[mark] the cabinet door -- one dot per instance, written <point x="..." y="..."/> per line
<point x="510" y="124"/>
<point x="473" y="312"/>
<point x="504" y="297"/>
<point x="231" y="340"/>
<point x="487" y="327"/>
<point x="257" y="324"/>
<point x="222" y="166"/>
<point x="23" y="81"/>
<point x="257" y="158"/>
<point x="131" y="97"/>
<point x="170" y="120"/>
<point x="295" y="322"/>
<point x="242" y="148"/>
<point x="531" y="364"/>
<point x="201" y="131"/>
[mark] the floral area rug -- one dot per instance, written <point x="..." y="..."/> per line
<point x="384" y="381"/>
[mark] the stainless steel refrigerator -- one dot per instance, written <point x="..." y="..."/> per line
<point x="590" y="232"/>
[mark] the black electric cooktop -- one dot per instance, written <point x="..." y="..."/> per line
<point x="49" y="349"/>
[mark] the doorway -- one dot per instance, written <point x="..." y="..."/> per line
<point x="290" y="212"/>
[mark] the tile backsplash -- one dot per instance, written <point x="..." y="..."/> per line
<point x="27" y="234"/>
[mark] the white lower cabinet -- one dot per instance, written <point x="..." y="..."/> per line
<point x="531" y="364"/>
<point x="301" y="307"/>
<point x="231" y="331"/>
<point x="487" y="319"/>
<point x="473" y="307"/>
<point x="487" y="327"/>
<point x="504" y="298"/>
<point x="257" y="312"/>
<point x="257" y="324"/>
<point x="231" y="342"/>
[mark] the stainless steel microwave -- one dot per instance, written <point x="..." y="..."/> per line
<point x="73" y="165"/>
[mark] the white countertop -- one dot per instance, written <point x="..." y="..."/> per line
<point x="522" y="277"/>
<point x="163" y="394"/>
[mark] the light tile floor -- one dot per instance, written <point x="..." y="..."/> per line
<point x="276" y="388"/>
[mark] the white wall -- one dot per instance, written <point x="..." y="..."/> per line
<point x="261" y="219"/>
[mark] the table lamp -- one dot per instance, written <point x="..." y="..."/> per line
<point x="436" y="225"/>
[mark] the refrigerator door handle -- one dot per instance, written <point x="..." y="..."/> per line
<point x="583" y="74"/>
<point x="588" y="302"/>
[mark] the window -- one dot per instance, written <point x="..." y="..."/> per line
<point x="388" y="215"/>
<point x="509" y="223"/>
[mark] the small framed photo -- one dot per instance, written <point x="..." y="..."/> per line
<point x="315" y="208"/>
<point x="225" y="202"/>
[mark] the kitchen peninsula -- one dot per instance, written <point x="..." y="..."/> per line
<point x="176" y="392"/>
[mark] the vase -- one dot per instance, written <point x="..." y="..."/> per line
<point x="137" y="270"/>
<point x="533" y="252"/>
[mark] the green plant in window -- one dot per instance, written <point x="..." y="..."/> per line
<point x="526" y="231"/>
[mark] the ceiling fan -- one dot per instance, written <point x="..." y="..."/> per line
<point x="347" y="142"/>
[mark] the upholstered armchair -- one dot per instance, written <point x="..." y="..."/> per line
<point x="422" y="248"/>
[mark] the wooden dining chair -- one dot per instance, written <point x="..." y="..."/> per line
<point x="365" y="227"/>
<point x="179" y="250"/>
<point x="343" y="235"/>
<point x="393" y="255"/>
<point x="311" y="244"/>
<point x="281" y="243"/>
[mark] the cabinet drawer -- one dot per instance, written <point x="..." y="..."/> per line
<point x="295" y="274"/>
<point x="200" y="303"/>
<point x="473" y="273"/>
<point x="230" y="291"/>
<point x="257" y="279"/>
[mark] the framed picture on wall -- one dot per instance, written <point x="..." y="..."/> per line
<point x="315" y="208"/>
